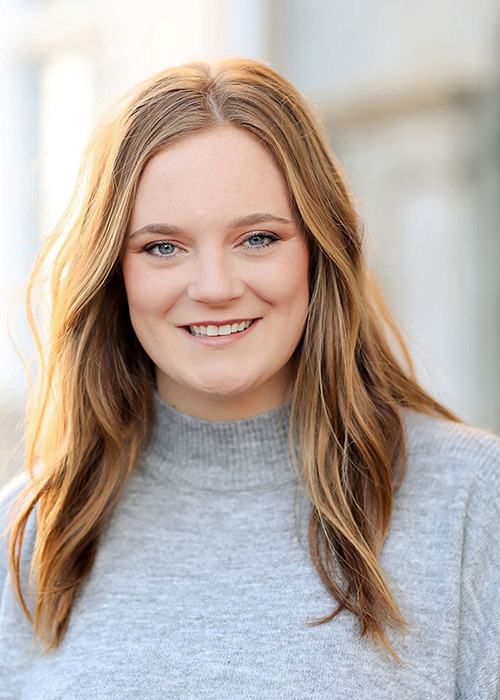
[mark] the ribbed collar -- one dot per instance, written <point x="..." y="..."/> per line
<point x="230" y="455"/>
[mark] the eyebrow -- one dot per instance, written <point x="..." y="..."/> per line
<point x="249" y="220"/>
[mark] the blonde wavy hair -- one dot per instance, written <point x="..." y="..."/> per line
<point x="91" y="415"/>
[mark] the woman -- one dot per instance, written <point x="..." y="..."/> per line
<point x="234" y="487"/>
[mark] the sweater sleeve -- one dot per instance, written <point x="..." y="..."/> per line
<point x="478" y="662"/>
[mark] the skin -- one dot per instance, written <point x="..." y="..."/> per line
<point x="210" y="268"/>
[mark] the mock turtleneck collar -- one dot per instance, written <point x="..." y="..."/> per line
<point x="230" y="455"/>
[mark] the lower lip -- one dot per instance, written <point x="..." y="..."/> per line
<point x="218" y="341"/>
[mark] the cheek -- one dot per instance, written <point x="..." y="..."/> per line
<point x="289" y="282"/>
<point x="148" y="293"/>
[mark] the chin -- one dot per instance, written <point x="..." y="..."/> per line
<point x="221" y="392"/>
<point x="223" y="388"/>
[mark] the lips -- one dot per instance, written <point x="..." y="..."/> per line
<point x="219" y="323"/>
<point x="218" y="340"/>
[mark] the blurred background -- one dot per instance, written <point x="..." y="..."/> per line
<point x="408" y="93"/>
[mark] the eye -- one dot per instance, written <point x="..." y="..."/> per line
<point x="163" y="249"/>
<point x="260" y="240"/>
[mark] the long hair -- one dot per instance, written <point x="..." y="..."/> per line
<point x="90" y="418"/>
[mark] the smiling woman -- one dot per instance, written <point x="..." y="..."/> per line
<point x="218" y="388"/>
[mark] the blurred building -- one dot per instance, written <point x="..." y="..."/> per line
<point x="409" y="94"/>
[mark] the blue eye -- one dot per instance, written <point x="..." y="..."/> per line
<point x="164" y="250"/>
<point x="270" y="240"/>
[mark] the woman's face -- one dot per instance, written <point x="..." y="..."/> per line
<point x="213" y="243"/>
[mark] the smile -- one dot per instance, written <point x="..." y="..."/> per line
<point x="219" y="336"/>
<point x="226" y="329"/>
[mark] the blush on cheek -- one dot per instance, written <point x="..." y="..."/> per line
<point x="147" y="293"/>
<point x="291" y="279"/>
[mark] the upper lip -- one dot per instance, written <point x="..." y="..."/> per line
<point x="219" y="323"/>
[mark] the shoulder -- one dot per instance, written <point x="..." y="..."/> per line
<point x="440" y="436"/>
<point x="429" y="433"/>
<point x="450" y="453"/>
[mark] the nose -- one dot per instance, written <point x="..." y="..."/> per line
<point x="215" y="279"/>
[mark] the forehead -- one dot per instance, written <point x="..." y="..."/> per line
<point x="222" y="171"/>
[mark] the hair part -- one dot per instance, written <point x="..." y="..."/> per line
<point x="92" y="414"/>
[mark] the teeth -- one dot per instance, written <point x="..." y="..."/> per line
<point x="220" y="330"/>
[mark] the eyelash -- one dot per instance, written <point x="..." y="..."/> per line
<point x="270" y="242"/>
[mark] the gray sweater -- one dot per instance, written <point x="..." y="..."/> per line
<point x="203" y="583"/>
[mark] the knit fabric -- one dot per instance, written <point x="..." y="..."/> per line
<point x="203" y="585"/>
